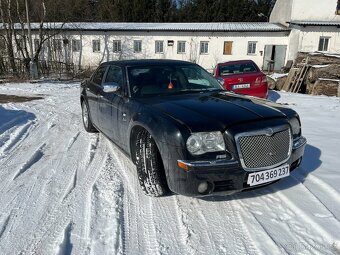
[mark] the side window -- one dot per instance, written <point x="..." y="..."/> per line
<point x="98" y="76"/>
<point x="114" y="74"/>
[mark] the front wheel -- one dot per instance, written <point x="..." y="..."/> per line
<point x="86" y="118"/>
<point x="149" y="166"/>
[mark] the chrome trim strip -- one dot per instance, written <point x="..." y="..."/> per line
<point x="267" y="131"/>
<point x="221" y="162"/>
<point x="298" y="143"/>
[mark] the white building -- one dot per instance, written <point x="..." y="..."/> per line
<point x="88" y="44"/>
<point x="314" y="24"/>
<point x="295" y="25"/>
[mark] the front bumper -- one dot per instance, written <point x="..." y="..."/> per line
<point x="221" y="177"/>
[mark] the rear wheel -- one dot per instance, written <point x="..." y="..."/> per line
<point x="86" y="118"/>
<point x="149" y="166"/>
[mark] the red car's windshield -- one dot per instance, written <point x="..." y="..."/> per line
<point x="237" y="68"/>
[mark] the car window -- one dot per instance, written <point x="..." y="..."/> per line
<point x="98" y="75"/>
<point x="162" y="80"/>
<point x="237" y="68"/>
<point x="114" y="74"/>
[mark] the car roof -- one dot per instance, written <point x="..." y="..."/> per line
<point x="141" y="62"/>
<point x="237" y="62"/>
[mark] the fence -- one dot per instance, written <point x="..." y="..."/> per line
<point x="45" y="68"/>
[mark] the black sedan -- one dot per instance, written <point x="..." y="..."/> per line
<point x="185" y="133"/>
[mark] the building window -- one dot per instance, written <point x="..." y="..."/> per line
<point x="137" y="46"/>
<point x="251" y="48"/>
<point x="338" y="8"/>
<point x="96" y="45"/>
<point x="180" y="47"/>
<point x="159" y="47"/>
<point x="323" y="43"/>
<point x="57" y="44"/>
<point x="227" y="48"/>
<point x="76" y="45"/>
<point x="117" y="46"/>
<point x="204" y="47"/>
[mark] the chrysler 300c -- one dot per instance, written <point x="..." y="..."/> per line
<point x="185" y="133"/>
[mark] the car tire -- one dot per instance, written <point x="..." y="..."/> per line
<point x="149" y="164"/>
<point x="87" y="122"/>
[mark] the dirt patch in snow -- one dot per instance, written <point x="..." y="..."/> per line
<point x="16" y="99"/>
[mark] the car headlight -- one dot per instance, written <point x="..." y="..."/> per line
<point x="295" y="124"/>
<point x="203" y="142"/>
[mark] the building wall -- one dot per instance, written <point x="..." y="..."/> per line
<point x="315" y="10"/>
<point x="282" y="12"/>
<point x="86" y="57"/>
<point x="306" y="39"/>
<point x="304" y="10"/>
<point x="309" y="38"/>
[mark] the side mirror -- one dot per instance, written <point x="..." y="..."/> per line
<point x="220" y="80"/>
<point x="111" y="87"/>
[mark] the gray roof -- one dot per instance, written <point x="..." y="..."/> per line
<point x="195" y="27"/>
<point x="315" y="23"/>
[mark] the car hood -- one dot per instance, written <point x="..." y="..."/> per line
<point x="213" y="111"/>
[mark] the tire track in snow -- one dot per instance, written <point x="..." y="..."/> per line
<point x="279" y="216"/>
<point x="241" y="230"/>
<point x="149" y="226"/>
<point x="72" y="141"/>
<point x="185" y="232"/>
<point x="264" y="243"/>
<point x="311" y="240"/>
<point x="130" y="222"/>
<point x="15" y="137"/>
<point x="326" y="194"/>
<point x="35" y="157"/>
<point x="106" y="212"/>
<point x="4" y="226"/>
<point x="72" y="185"/>
<point x="62" y="212"/>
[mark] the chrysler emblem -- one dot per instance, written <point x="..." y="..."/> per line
<point x="269" y="132"/>
<point x="271" y="154"/>
<point x="240" y="79"/>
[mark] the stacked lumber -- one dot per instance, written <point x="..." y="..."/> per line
<point x="327" y="87"/>
<point x="318" y="58"/>
<point x="315" y="73"/>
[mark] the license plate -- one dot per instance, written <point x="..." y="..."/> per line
<point x="268" y="175"/>
<point x="241" y="86"/>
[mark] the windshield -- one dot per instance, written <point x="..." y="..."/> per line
<point x="166" y="80"/>
<point x="237" y="69"/>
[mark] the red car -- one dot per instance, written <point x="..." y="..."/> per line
<point x="242" y="76"/>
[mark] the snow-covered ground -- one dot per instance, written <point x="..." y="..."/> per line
<point x="64" y="191"/>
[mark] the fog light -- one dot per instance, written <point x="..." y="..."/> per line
<point x="203" y="187"/>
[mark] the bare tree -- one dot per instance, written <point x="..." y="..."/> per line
<point x="8" y="25"/>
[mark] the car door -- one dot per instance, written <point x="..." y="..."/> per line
<point x="108" y="103"/>
<point x="92" y="90"/>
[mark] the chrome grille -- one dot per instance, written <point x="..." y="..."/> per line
<point x="263" y="149"/>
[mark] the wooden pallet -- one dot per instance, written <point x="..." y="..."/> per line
<point x="290" y="79"/>
<point x="301" y="76"/>
<point x="296" y="77"/>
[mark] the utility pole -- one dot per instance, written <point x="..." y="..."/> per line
<point x="33" y="64"/>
